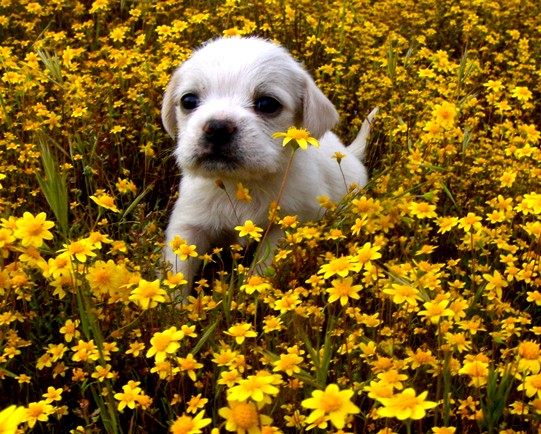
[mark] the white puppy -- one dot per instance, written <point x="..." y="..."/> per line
<point x="222" y="106"/>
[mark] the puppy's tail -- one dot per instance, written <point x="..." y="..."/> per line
<point x="358" y="146"/>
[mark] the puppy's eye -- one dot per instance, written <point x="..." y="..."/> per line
<point x="267" y="105"/>
<point x="189" y="101"/>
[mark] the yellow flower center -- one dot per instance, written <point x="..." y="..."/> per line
<point x="34" y="229"/>
<point x="407" y="401"/>
<point x="298" y="134"/>
<point x="161" y="342"/>
<point x="183" y="425"/>
<point x="536" y="382"/>
<point x="529" y="350"/>
<point x="76" y="247"/>
<point x="331" y="403"/>
<point x="245" y="416"/>
<point x="35" y="410"/>
<point x="340" y="264"/>
<point x="103" y="277"/>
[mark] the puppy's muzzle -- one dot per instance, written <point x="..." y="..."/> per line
<point x="219" y="134"/>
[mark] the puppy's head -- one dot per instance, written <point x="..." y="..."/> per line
<point x="224" y="103"/>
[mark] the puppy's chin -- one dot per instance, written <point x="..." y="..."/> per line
<point x="215" y="166"/>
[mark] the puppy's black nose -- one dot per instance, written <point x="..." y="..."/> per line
<point x="219" y="132"/>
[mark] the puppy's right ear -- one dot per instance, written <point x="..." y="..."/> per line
<point x="319" y="114"/>
<point x="170" y="105"/>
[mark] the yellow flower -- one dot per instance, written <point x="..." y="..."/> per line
<point x="129" y="395"/>
<point x="469" y="222"/>
<point x="6" y="237"/>
<point x="522" y="93"/>
<point x="529" y="354"/>
<point x="250" y="229"/>
<point x="458" y="341"/>
<point x="174" y="280"/>
<point x="255" y="387"/>
<point x="495" y="282"/>
<point x="195" y="403"/>
<point x="99" y="5"/>
<point x="379" y="389"/>
<point x="118" y="34"/>
<point x="52" y="395"/>
<point x="343" y="289"/>
<point x="423" y="210"/>
<point x="80" y="250"/>
<point x="189" y="365"/>
<point x="70" y="330"/>
<point x="225" y="357"/>
<point x="243" y="194"/>
<point x="102" y="372"/>
<point x="331" y="404"/>
<point x="255" y="283"/>
<point x="289" y="221"/>
<point x="105" y="201"/>
<point x="288" y="363"/>
<point x="135" y="348"/>
<point x="287" y="302"/>
<point x="406" y="405"/>
<point x="508" y="178"/>
<point x="243" y="418"/>
<point x="38" y="412"/>
<point x="183" y="250"/>
<point x="33" y="230"/>
<point x="103" y="277"/>
<point x="190" y="425"/>
<point x="365" y="255"/>
<point x="530" y="204"/>
<point x="403" y="293"/>
<point x="147" y="295"/>
<point x="299" y="137"/>
<point x="85" y="351"/>
<point x="125" y="185"/>
<point x="494" y="85"/>
<point x="477" y="370"/>
<point x="165" y="370"/>
<point x="445" y="114"/>
<point x="531" y="385"/>
<point x="341" y="266"/>
<point x="392" y="378"/>
<point x="10" y="418"/>
<point x="435" y="310"/>
<point x="446" y="224"/>
<point x="164" y="343"/>
<point x="443" y="430"/>
<point x="241" y="331"/>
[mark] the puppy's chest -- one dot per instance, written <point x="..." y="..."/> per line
<point x="223" y="210"/>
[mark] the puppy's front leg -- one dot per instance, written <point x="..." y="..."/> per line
<point x="193" y="235"/>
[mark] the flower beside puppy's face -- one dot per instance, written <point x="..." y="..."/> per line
<point x="227" y="100"/>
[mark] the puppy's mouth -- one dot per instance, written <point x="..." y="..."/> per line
<point x="217" y="162"/>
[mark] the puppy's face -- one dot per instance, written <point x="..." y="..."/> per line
<point x="225" y="102"/>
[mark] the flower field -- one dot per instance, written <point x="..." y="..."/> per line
<point x="414" y="305"/>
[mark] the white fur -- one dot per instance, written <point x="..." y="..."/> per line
<point x="228" y="75"/>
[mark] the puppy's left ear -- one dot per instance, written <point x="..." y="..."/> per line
<point x="170" y="105"/>
<point x="319" y="114"/>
